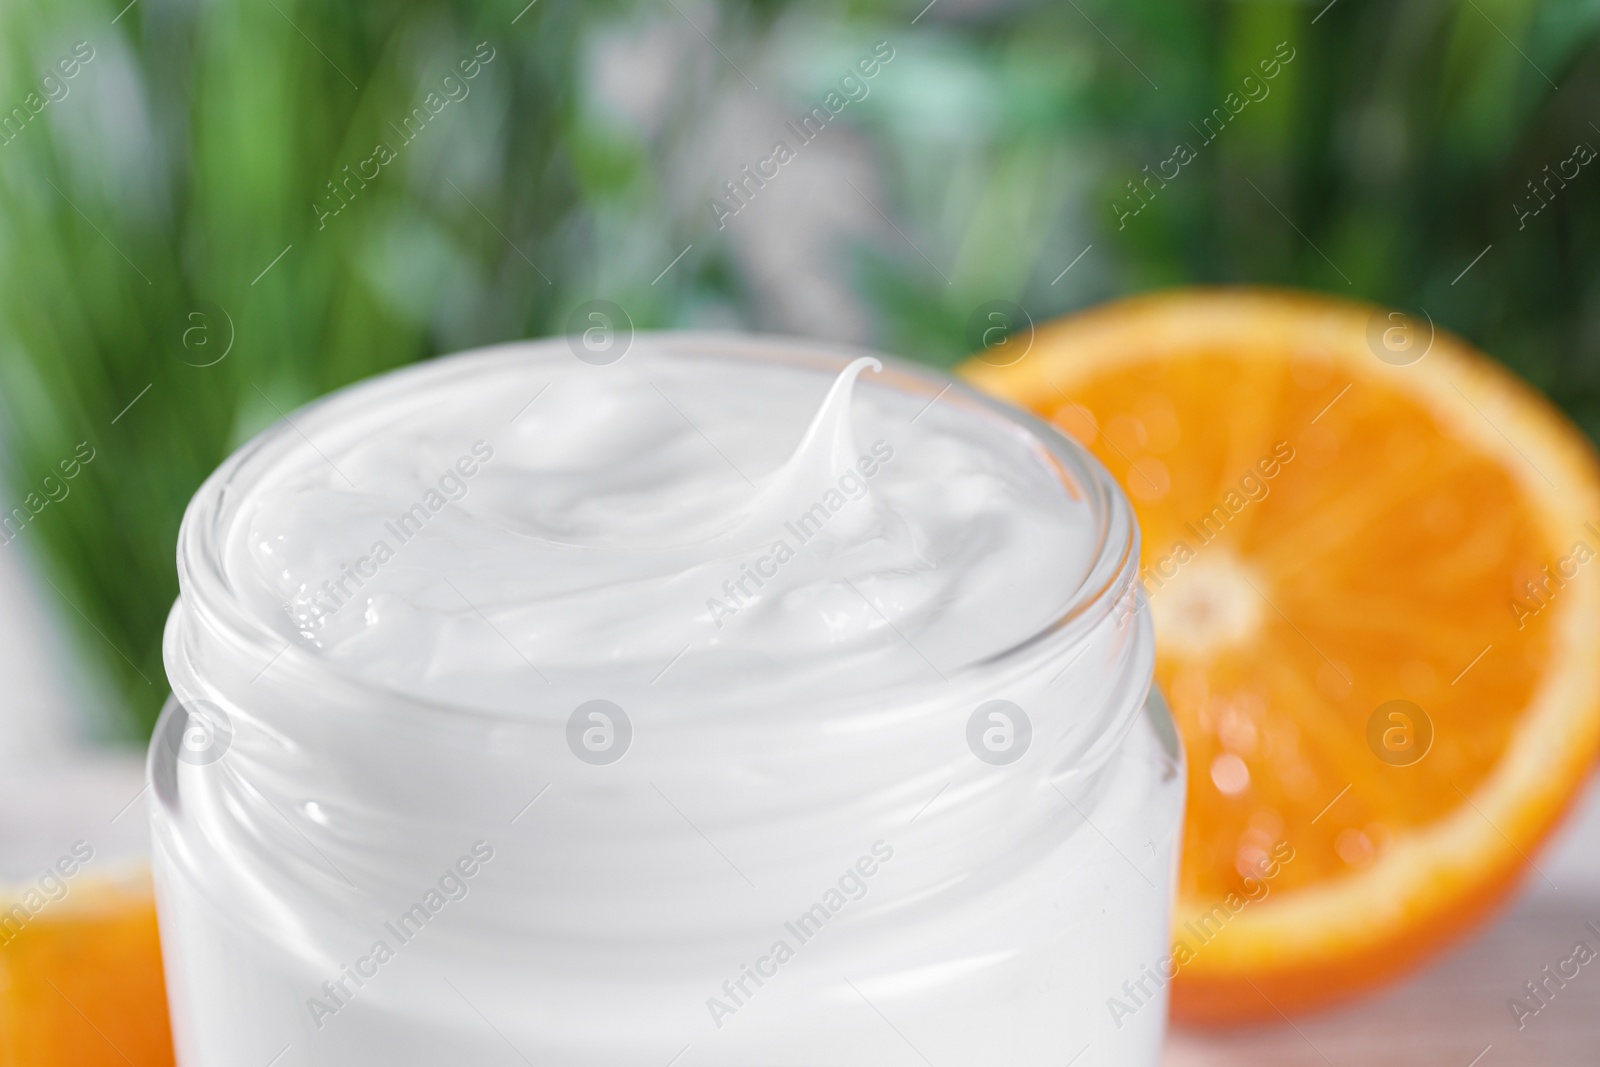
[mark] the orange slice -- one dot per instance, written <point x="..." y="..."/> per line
<point x="80" y="976"/>
<point x="80" y="960"/>
<point x="1377" y="602"/>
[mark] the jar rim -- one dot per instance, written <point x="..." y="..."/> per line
<point x="206" y="588"/>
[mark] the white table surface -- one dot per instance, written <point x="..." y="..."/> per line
<point x="1454" y="1013"/>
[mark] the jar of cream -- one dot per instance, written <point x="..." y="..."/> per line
<point x="735" y="703"/>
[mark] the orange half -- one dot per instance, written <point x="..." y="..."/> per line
<point x="80" y="958"/>
<point x="80" y="976"/>
<point x="1370" y="557"/>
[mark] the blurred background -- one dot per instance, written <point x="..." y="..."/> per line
<point x="211" y="213"/>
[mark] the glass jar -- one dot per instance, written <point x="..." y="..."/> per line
<point x="959" y="872"/>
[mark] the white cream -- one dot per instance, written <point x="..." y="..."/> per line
<point x="620" y="517"/>
<point x="790" y="581"/>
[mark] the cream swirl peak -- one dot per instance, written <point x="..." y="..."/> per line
<point x="518" y="518"/>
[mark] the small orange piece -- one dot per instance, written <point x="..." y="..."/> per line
<point x="81" y="980"/>
<point x="1376" y="596"/>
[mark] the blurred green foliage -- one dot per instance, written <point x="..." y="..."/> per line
<point x="161" y="205"/>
